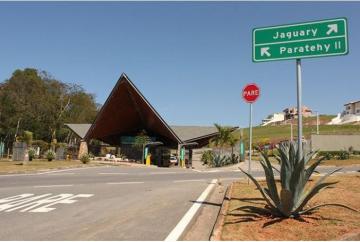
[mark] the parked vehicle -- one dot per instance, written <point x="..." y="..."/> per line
<point x="173" y="160"/>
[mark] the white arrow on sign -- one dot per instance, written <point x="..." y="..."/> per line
<point x="332" y="28"/>
<point x="265" y="51"/>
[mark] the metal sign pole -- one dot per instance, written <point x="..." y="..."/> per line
<point x="299" y="106"/>
<point x="250" y="139"/>
<point x="317" y="122"/>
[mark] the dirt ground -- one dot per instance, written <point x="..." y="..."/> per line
<point x="328" y="223"/>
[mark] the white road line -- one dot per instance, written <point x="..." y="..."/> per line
<point x="62" y="170"/>
<point x="123" y="183"/>
<point x="212" y="171"/>
<point x="195" y="180"/>
<point x="229" y="178"/>
<point x="184" y="222"/>
<point x="159" y="173"/>
<point x="113" y="173"/>
<point x="42" y="186"/>
<point x="48" y="172"/>
<point x="56" y="174"/>
<point x="196" y="170"/>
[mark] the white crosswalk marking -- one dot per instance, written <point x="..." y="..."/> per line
<point x="27" y="202"/>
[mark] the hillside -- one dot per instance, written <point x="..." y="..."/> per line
<point x="282" y="132"/>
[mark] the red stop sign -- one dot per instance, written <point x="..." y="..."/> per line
<point x="251" y="92"/>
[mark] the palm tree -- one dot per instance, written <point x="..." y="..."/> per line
<point x="232" y="142"/>
<point x="223" y="137"/>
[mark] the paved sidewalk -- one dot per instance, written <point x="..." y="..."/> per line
<point x="255" y="166"/>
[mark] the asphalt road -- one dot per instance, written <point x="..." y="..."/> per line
<point x="102" y="203"/>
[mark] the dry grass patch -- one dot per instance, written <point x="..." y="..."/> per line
<point x="328" y="223"/>
<point x="7" y="167"/>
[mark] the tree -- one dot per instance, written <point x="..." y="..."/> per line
<point x="41" y="104"/>
<point x="222" y="138"/>
<point x="233" y="140"/>
<point x="141" y="139"/>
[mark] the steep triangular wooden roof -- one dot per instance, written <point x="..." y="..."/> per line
<point x="127" y="112"/>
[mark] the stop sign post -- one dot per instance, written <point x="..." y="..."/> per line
<point x="250" y="94"/>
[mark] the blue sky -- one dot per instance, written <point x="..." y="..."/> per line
<point x="190" y="59"/>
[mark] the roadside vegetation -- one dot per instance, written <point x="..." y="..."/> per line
<point x="328" y="223"/>
<point x="32" y="101"/>
<point x="217" y="157"/>
<point x="289" y="200"/>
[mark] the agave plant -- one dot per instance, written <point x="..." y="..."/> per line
<point x="220" y="160"/>
<point x="294" y="175"/>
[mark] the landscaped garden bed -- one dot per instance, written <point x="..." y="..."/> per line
<point x="328" y="223"/>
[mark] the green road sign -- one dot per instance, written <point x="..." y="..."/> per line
<point x="303" y="40"/>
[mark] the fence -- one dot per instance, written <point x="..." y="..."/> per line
<point x="2" y="149"/>
<point x="335" y="142"/>
<point x="19" y="151"/>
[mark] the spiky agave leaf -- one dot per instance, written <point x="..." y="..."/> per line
<point x="309" y="210"/>
<point x="270" y="179"/>
<point x="268" y="200"/>
<point x="285" y="167"/>
<point x="287" y="202"/>
<point x="313" y="191"/>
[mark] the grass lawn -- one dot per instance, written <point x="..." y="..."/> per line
<point x="328" y="223"/>
<point x="7" y="167"/>
<point x="282" y="132"/>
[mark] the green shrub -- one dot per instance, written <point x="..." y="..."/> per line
<point x="328" y="156"/>
<point x="31" y="153"/>
<point x="50" y="155"/>
<point x="85" y="158"/>
<point x="356" y="152"/>
<point x="340" y="155"/>
<point x="63" y="145"/>
<point x="292" y="199"/>
<point x="343" y="155"/>
<point x="42" y="144"/>
<point x="220" y="161"/>
<point x="207" y="157"/>
<point x="234" y="159"/>
<point x="28" y="137"/>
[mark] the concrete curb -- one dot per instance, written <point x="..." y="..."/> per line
<point x="218" y="227"/>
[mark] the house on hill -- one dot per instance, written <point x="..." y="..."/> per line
<point x="351" y="114"/>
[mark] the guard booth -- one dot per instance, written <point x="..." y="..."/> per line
<point x="188" y="158"/>
<point x="161" y="156"/>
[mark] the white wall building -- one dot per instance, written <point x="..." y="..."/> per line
<point x="273" y="118"/>
<point x="349" y="115"/>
